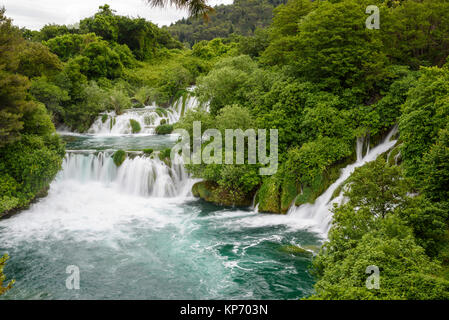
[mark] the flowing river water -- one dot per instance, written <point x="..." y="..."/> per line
<point x="136" y="231"/>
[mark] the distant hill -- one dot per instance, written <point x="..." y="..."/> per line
<point x="241" y="17"/>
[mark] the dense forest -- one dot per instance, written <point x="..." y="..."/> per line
<point x="243" y="17"/>
<point x="316" y="74"/>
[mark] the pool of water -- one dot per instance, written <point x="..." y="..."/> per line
<point x="130" y="246"/>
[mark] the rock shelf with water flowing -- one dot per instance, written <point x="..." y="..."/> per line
<point x="149" y="117"/>
<point x="138" y="175"/>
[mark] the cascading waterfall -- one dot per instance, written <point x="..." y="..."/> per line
<point x="109" y="123"/>
<point x="138" y="175"/>
<point x="319" y="213"/>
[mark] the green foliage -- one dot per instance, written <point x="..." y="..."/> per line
<point x="225" y="84"/>
<point x="3" y="277"/>
<point x="436" y="167"/>
<point x="148" y="151"/>
<point x="164" y="129"/>
<point x="51" y="95"/>
<point x="29" y="165"/>
<point x="414" y="32"/>
<point x="119" y="157"/>
<point x="164" y="155"/>
<point x="242" y="17"/>
<point x="284" y="30"/>
<point x="335" y="50"/>
<point x="378" y="187"/>
<point x="135" y="126"/>
<point x="405" y="271"/>
<point x="378" y="226"/>
<point x="141" y="36"/>
<point x="37" y="60"/>
<point x="30" y="152"/>
<point x="425" y="113"/>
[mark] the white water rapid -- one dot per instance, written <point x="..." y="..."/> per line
<point x="138" y="175"/>
<point x="149" y="117"/>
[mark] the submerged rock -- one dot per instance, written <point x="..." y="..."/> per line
<point x="296" y="250"/>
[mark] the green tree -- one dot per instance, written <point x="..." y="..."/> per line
<point x="335" y="50"/>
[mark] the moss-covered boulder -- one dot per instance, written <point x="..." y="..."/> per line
<point x="276" y="195"/>
<point x="212" y="192"/>
<point x="135" y="126"/>
<point x="164" y="129"/>
<point x="268" y="196"/>
<point x="119" y="157"/>
<point x="289" y="191"/>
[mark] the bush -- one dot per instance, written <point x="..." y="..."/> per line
<point x="135" y="126"/>
<point x="118" y="157"/>
<point x="164" y="129"/>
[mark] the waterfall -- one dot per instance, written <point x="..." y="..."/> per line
<point x="149" y="117"/>
<point x="139" y="175"/>
<point x="318" y="214"/>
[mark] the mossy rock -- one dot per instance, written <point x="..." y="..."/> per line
<point x="104" y="118"/>
<point x="268" y="196"/>
<point x="296" y="250"/>
<point x="288" y="194"/>
<point x="135" y="126"/>
<point x="163" y="121"/>
<point x="212" y="192"/>
<point x="119" y="157"/>
<point x="164" y="129"/>
<point x="148" y="151"/>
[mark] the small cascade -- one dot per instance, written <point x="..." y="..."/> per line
<point x="109" y="123"/>
<point x="359" y="148"/>
<point x="139" y="175"/>
<point x="318" y="214"/>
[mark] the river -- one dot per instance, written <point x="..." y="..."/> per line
<point x="136" y="232"/>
